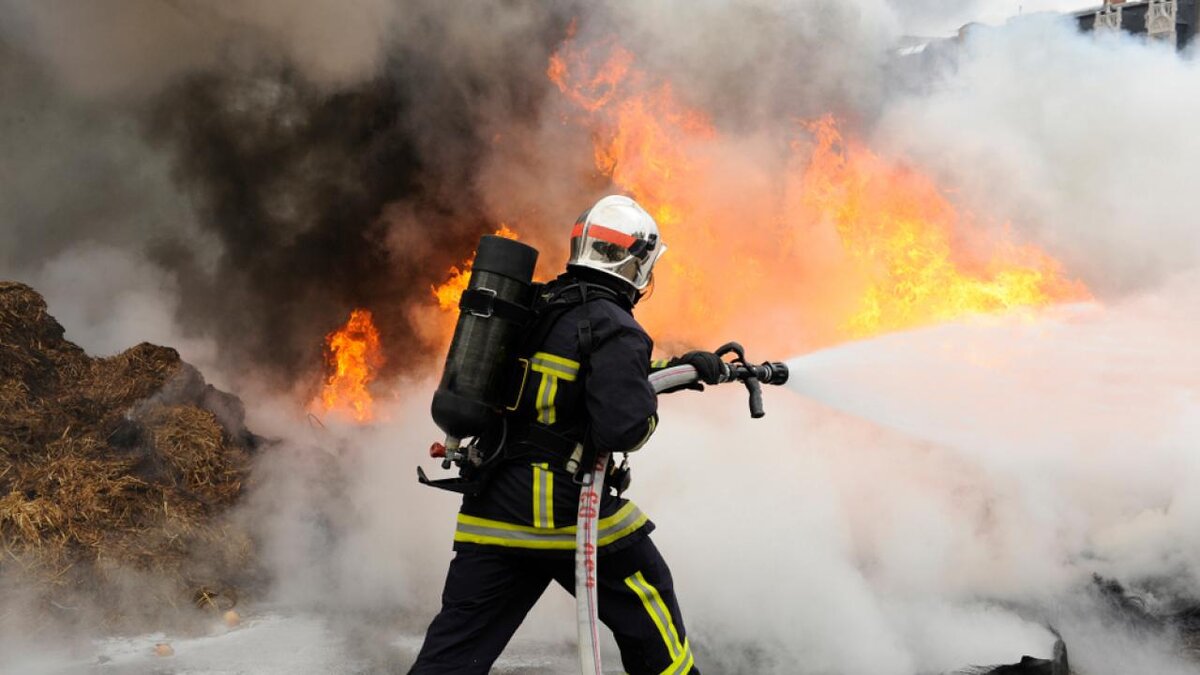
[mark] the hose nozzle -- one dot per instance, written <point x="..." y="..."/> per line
<point x="774" y="373"/>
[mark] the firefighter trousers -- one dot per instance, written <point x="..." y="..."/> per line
<point x="489" y="591"/>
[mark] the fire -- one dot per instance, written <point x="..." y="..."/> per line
<point x="354" y="356"/>
<point x="595" y="91"/>
<point x="643" y="136"/>
<point x="449" y="293"/>
<point x="899" y="231"/>
<point x="820" y="238"/>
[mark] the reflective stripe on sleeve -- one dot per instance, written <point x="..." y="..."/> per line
<point x="653" y="424"/>
<point x="475" y="530"/>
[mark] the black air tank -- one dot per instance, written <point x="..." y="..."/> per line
<point x="491" y="320"/>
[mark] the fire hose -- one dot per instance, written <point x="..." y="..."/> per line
<point x="588" y="514"/>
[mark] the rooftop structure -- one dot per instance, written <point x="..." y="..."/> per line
<point x="1173" y="21"/>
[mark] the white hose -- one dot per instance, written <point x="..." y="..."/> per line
<point x="587" y="521"/>
<point x="675" y="376"/>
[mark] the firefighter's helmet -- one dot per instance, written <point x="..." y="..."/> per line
<point x="617" y="237"/>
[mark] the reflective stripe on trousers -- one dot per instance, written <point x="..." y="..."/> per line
<point x="475" y="530"/>
<point x="681" y="654"/>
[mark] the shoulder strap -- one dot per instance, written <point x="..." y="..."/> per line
<point x="584" y="330"/>
<point x="547" y="312"/>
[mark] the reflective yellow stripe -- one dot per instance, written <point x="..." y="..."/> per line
<point x="649" y="432"/>
<point x="508" y="542"/>
<point x="683" y="664"/>
<point x="660" y="363"/>
<point x="550" y="364"/>
<point x="545" y="402"/>
<point x="632" y="527"/>
<point x="552" y="369"/>
<point x="551" y="412"/>
<point x="549" y="494"/>
<point x="605" y="523"/>
<point x="472" y="529"/>
<point x="537" y="495"/>
<point x="661" y="617"/>
<point x="543" y="496"/>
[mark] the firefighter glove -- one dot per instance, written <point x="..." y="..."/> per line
<point x="708" y="365"/>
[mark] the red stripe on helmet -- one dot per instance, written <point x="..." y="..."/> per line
<point x="605" y="234"/>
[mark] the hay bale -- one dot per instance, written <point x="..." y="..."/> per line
<point x="112" y="466"/>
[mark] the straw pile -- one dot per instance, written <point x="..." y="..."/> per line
<point x="115" y="473"/>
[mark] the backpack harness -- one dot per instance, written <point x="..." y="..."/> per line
<point x="510" y="440"/>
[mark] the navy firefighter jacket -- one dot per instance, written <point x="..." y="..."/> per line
<point x="604" y="400"/>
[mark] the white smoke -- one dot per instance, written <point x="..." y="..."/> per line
<point x="944" y="17"/>
<point x="969" y="479"/>
<point x="1079" y="141"/>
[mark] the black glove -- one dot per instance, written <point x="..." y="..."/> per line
<point x="708" y="365"/>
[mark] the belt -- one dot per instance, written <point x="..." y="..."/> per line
<point x="540" y="439"/>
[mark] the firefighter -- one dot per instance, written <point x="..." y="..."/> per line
<point x="586" y="382"/>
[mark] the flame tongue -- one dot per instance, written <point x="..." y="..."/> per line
<point x="900" y="232"/>
<point x="354" y="356"/>
<point x="449" y="293"/>
<point x="748" y="233"/>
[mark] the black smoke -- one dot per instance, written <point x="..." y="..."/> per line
<point x="308" y="197"/>
<point x="297" y="183"/>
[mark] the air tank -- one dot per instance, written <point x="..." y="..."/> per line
<point x="491" y="319"/>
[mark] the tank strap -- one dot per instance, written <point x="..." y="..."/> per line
<point x="484" y="303"/>
<point x="535" y="438"/>
<point x="583" y="331"/>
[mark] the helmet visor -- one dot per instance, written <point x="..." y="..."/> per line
<point x="616" y="253"/>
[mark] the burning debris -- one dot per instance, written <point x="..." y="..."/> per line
<point x="113" y="470"/>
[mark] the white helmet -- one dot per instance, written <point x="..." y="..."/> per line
<point x="617" y="237"/>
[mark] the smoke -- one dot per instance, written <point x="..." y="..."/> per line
<point x="938" y="17"/>
<point x="805" y="59"/>
<point x="232" y="178"/>
<point x="1069" y="140"/>
<point x="133" y="48"/>
<point x="280" y="165"/>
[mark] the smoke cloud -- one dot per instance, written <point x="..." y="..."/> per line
<point x="1069" y="140"/>
<point x="233" y="178"/>
<point x="293" y="165"/>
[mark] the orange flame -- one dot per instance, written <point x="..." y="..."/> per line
<point x="818" y="244"/>
<point x="449" y="293"/>
<point x="899" y="230"/>
<point x="354" y="356"/>
<point x="594" y="92"/>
